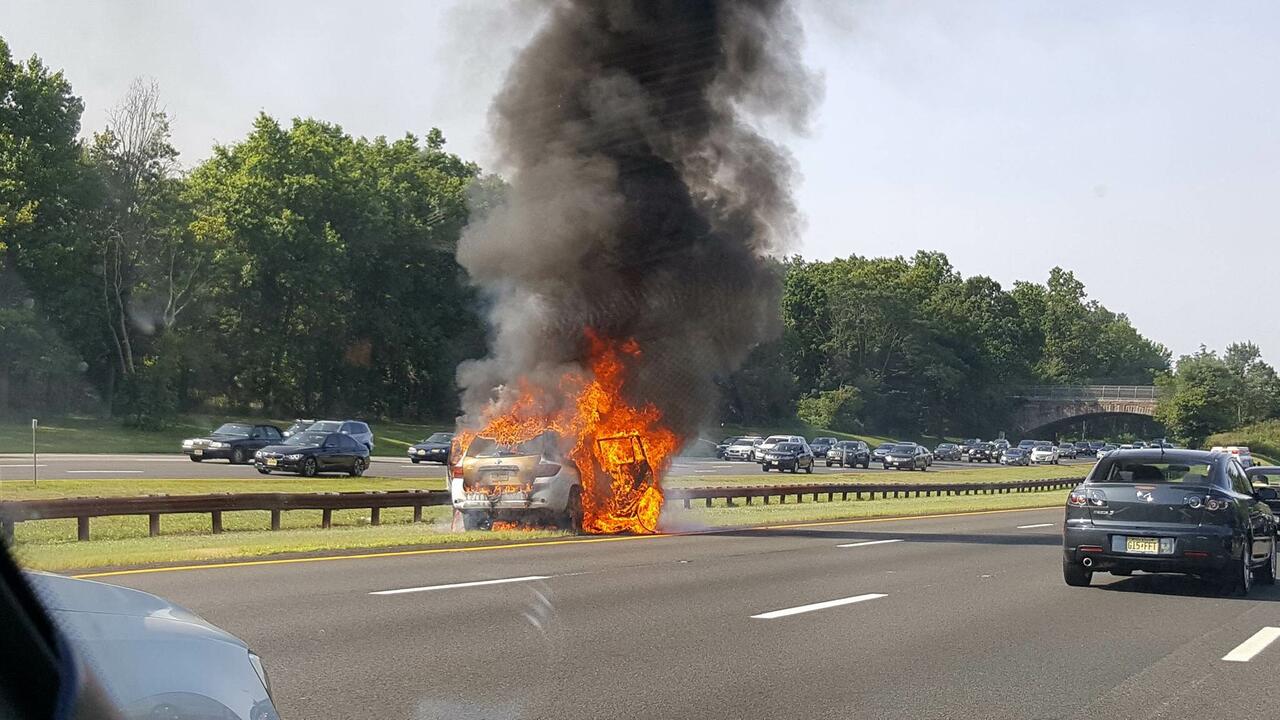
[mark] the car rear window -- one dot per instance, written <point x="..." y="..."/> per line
<point x="1144" y="472"/>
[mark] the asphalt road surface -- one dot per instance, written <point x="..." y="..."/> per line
<point x="89" y="466"/>
<point x="951" y="617"/>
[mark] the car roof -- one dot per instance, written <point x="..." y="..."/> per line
<point x="1155" y="455"/>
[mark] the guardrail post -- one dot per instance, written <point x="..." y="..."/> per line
<point x="326" y="518"/>
<point x="153" y="524"/>
<point x="417" y="513"/>
<point x="766" y="498"/>
<point x="216" y="521"/>
<point x="275" y="519"/>
<point x="375" y="516"/>
<point x="82" y="528"/>
<point x="686" y="503"/>
<point x="748" y="499"/>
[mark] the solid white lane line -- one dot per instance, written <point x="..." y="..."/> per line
<point x="23" y="466"/>
<point x="105" y="472"/>
<point x="869" y="542"/>
<point x="451" y="586"/>
<point x="1246" y="650"/>
<point x="1036" y="525"/>
<point x="774" y="614"/>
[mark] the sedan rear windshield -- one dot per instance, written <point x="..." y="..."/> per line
<point x="1144" y="472"/>
<point x="236" y="429"/>
<point x="488" y="448"/>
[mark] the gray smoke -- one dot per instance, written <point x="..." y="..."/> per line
<point x="642" y="202"/>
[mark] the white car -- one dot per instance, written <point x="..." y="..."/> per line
<point x="742" y="448"/>
<point x="773" y="440"/>
<point x="1240" y="452"/>
<point x="1044" y="453"/>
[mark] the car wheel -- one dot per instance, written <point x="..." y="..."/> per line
<point x="415" y="461"/>
<point x="473" y="521"/>
<point x="357" y="467"/>
<point x="571" y="519"/>
<point x="925" y="468"/>
<point x="1238" y="579"/>
<point x="1075" y="574"/>
<point x="309" y="467"/>
<point x="264" y="471"/>
<point x="866" y="465"/>
<point x="237" y="456"/>
<point x="809" y="469"/>
<point x="1267" y="573"/>
<point x="195" y="459"/>
<point x="828" y="463"/>
<point x="764" y="468"/>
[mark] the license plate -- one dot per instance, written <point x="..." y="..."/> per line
<point x="1142" y="545"/>
<point x="272" y="462"/>
<point x="496" y="478"/>
<point x="197" y="452"/>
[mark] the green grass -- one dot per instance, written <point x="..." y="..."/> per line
<point x="48" y="489"/>
<point x="1262" y="439"/>
<point x="96" y="435"/>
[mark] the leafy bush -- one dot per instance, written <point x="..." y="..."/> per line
<point x="1262" y="438"/>
<point x="832" y="409"/>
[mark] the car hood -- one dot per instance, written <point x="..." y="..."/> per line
<point x="70" y="596"/>
<point x="430" y="446"/>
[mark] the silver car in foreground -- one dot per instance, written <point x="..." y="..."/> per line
<point x="153" y="658"/>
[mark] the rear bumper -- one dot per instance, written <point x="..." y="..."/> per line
<point x="1211" y="548"/>
<point x="551" y="496"/>
<point x="209" y="453"/>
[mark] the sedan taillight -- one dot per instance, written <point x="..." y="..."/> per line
<point x="456" y="471"/>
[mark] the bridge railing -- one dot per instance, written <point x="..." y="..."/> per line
<point x="1149" y="393"/>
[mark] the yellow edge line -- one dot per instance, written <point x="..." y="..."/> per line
<point x="543" y="543"/>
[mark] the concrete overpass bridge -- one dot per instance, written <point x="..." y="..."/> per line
<point x="1046" y="404"/>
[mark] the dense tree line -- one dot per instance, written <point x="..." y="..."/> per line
<point x="908" y="345"/>
<point x="304" y="270"/>
<point x="297" y="270"/>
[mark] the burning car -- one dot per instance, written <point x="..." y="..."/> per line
<point x="522" y="481"/>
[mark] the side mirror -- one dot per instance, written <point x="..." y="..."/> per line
<point x="1266" y="493"/>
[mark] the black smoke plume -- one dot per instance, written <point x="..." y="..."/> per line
<point x="643" y="201"/>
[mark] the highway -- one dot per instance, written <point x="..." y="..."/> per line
<point x="947" y="617"/>
<point x="68" y="466"/>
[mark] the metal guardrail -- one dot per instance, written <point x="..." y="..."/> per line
<point x="153" y="506"/>
<point x="1149" y="393"/>
<point x="82" y="509"/>
<point x="861" y="491"/>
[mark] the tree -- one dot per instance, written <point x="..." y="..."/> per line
<point x="1195" y="399"/>
<point x="149" y="269"/>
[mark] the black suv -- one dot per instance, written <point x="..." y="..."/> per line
<point x="791" y="456"/>
<point x="849" y="453"/>
<point x="982" y="452"/>
<point x="1175" y="511"/>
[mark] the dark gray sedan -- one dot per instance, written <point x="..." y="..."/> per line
<point x="1173" y="511"/>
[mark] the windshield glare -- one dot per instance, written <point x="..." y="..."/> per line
<point x="306" y="438"/>
<point x="234" y="429"/>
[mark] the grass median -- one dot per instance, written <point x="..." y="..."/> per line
<point x="186" y="538"/>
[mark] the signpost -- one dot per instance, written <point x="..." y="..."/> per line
<point x="35" y="458"/>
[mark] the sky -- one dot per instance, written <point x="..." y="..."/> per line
<point x="1133" y="143"/>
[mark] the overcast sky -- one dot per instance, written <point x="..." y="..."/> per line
<point x="1136" y="143"/>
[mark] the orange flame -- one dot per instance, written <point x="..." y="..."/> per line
<point x="620" y="450"/>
